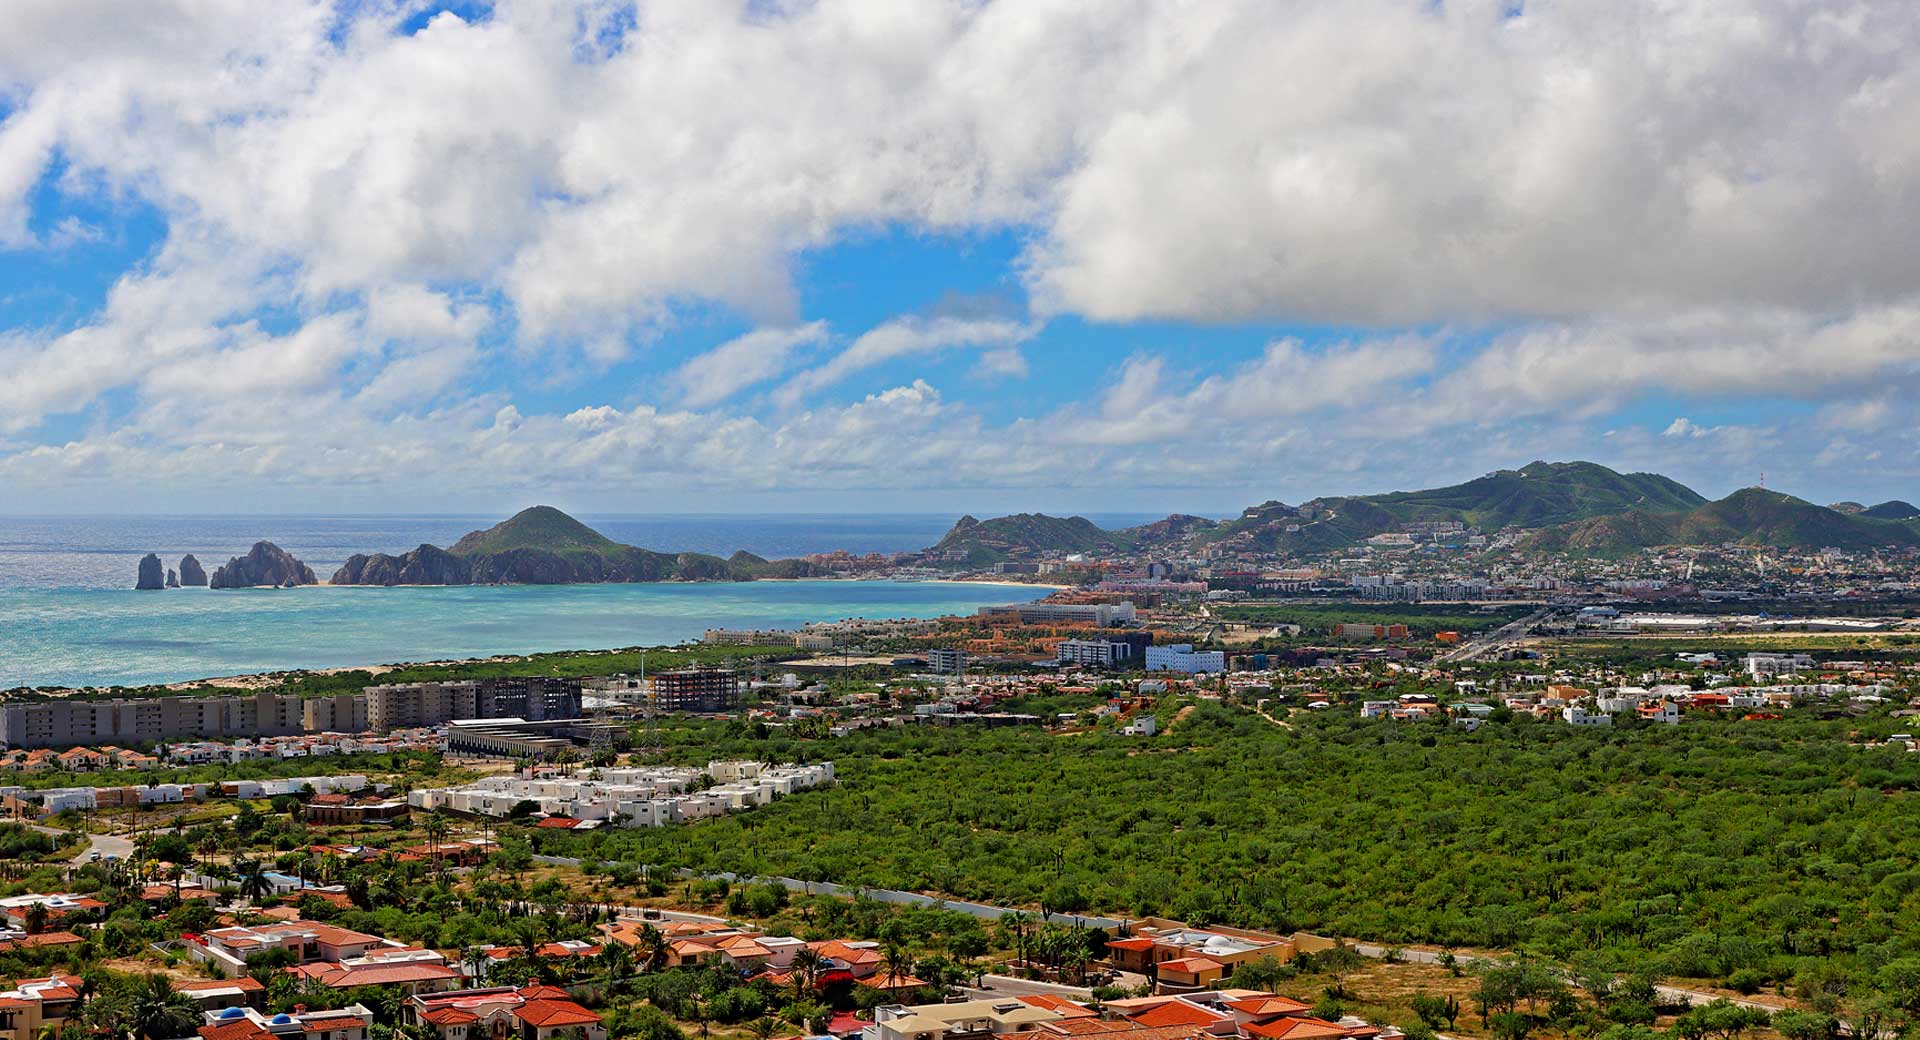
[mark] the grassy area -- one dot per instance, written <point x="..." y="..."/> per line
<point x="1319" y="619"/>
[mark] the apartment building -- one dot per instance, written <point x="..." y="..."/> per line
<point x="342" y="713"/>
<point x="946" y="661"/>
<point x="149" y="720"/>
<point x="1099" y="615"/>
<point x="409" y="705"/>
<point x="697" y="689"/>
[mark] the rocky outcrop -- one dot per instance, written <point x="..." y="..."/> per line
<point x="173" y="580"/>
<point x="427" y="565"/>
<point x="152" y="574"/>
<point x="264" y="564"/>
<point x="191" y="573"/>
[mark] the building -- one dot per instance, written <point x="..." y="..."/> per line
<point x="342" y="713"/>
<point x="225" y="950"/>
<point x="1575" y="715"/>
<point x="338" y="810"/>
<point x="637" y="797"/>
<point x="1766" y="666"/>
<point x="246" y="1023"/>
<point x="1092" y="653"/>
<point x="410" y="705"/>
<point x="533" y="1012"/>
<point x="531" y="698"/>
<point x="965" y="1020"/>
<point x="697" y="689"/>
<point x="1181" y="657"/>
<point x="33" y="1004"/>
<point x="147" y="720"/>
<point x="1099" y="615"/>
<point x="946" y="661"/>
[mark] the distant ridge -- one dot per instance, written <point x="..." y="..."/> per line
<point x="1894" y="510"/>
<point x="1751" y="516"/>
<point x="1576" y="507"/>
<point x="544" y="546"/>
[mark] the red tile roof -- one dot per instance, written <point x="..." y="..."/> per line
<point x="543" y="1013"/>
<point x="1262" y="1007"/>
<point x="1296" y="1029"/>
<point x="557" y="821"/>
<point x="1191" y="965"/>
<point x="1177" y="1013"/>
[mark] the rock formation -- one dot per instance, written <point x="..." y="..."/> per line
<point x="152" y="574"/>
<point x="427" y="565"/>
<point x="173" y="580"/>
<point x="191" y="573"/>
<point x="264" y="564"/>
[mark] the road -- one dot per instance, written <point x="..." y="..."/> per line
<point x="1511" y="632"/>
<point x="105" y="844"/>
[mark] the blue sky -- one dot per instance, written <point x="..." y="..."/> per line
<point x="967" y="255"/>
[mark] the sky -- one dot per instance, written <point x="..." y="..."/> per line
<point x="945" y="255"/>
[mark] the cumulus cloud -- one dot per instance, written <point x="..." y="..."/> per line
<point x="1578" y="206"/>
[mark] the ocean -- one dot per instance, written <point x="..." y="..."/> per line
<point x="69" y="615"/>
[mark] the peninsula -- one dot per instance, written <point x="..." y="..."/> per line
<point x="544" y="546"/>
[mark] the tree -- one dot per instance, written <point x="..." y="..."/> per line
<point x="1339" y="961"/>
<point x="156" y="1012"/>
<point x="1721" y="1019"/>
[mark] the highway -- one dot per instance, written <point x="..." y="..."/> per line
<point x="1504" y="636"/>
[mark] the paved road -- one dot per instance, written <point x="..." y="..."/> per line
<point x="105" y="844"/>
<point x="1508" y="633"/>
<point x="1008" y="986"/>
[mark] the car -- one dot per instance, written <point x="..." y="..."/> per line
<point x="95" y="858"/>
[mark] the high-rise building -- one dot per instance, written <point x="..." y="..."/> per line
<point x="697" y="689"/>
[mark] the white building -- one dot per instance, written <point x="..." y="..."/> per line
<point x="1576" y="715"/>
<point x="1181" y="657"/>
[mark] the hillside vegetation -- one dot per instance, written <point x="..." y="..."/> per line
<point x="1705" y="849"/>
<point x="1751" y="516"/>
<point x="544" y="546"/>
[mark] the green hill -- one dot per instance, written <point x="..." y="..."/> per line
<point x="1749" y="517"/>
<point x="540" y="527"/>
<point x="544" y="546"/>
<point x="1027" y="535"/>
<point x="1894" y="510"/>
<point x="1540" y="494"/>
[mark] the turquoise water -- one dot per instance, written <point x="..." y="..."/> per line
<point x="107" y="637"/>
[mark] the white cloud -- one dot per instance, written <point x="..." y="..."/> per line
<point x="744" y="361"/>
<point x="1708" y="201"/>
<point x="906" y="337"/>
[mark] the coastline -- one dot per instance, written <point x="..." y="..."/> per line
<point x="98" y="639"/>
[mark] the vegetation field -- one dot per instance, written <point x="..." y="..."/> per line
<point x="1420" y="618"/>
<point x="1709" y="849"/>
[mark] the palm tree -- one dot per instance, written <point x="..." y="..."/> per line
<point x="37" y="915"/>
<point x="806" y="966"/>
<point x="209" y="844"/>
<point x="763" y="1028"/>
<point x="154" y="1011"/>
<point x="653" y="947"/>
<point x="436" y="829"/>
<point x="253" y="881"/>
<point x="476" y="961"/>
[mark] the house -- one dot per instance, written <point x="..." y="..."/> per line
<point x="17" y="912"/>
<point x="81" y="760"/>
<point x="416" y="971"/>
<point x="246" y="1023"/>
<point x="338" y="810"/>
<point x="226" y="950"/>
<point x="33" y="1004"/>
<point x="1188" y="973"/>
<point x="503" y="1013"/>
<point x="220" y="994"/>
<point x="965" y="1020"/>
